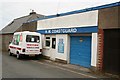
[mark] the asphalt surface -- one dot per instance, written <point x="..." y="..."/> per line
<point x="0" y="65"/>
<point x="31" y="68"/>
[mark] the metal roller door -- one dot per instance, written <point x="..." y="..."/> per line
<point x="80" y="50"/>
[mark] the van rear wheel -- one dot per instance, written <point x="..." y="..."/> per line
<point x="37" y="56"/>
<point x="18" y="56"/>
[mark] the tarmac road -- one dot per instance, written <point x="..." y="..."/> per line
<point x="30" y="68"/>
<point x="0" y="65"/>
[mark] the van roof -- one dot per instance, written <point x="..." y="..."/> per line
<point x="26" y="32"/>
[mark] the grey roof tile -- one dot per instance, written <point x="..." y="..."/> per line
<point x="18" y="22"/>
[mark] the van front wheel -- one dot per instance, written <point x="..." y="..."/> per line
<point x="10" y="54"/>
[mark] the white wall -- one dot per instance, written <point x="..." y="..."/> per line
<point x="85" y="19"/>
<point x="94" y="49"/>
<point x="62" y="56"/>
<point x="45" y="51"/>
<point x="65" y="55"/>
<point x="75" y="20"/>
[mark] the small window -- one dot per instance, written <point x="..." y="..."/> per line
<point x="47" y="42"/>
<point x="47" y="37"/>
<point x="53" y="43"/>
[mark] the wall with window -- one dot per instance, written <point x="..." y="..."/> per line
<point x="61" y="46"/>
<point x="46" y="43"/>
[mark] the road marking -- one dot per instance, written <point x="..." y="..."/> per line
<point x="65" y="69"/>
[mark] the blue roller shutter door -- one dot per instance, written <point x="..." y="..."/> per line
<point x="80" y="50"/>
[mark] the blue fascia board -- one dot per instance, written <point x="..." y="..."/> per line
<point x="79" y="11"/>
<point x="89" y="29"/>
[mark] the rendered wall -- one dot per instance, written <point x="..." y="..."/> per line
<point x="45" y="51"/>
<point x="85" y="19"/>
<point x="0" y="42"/>
<point x="6" y="38"/>
<point x="62" y="56"/>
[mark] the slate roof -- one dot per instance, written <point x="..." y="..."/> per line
<point x="18" y="22"/>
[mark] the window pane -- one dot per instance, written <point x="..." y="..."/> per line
<point x="32" y="38"/>
<point x="47" y="37"/>
<point x="47" y="43"/>
<point x="18" y="38"/>
<point x="53" y="43"/>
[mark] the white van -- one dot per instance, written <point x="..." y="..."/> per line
<point x="25" y="43"/>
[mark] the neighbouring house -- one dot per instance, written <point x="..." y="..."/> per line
<point x="18" y="24"/>
<point x="88" y="37"/>
<point x="109" y="39"/>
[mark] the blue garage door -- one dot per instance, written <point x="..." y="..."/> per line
<point x="80" y="50"/>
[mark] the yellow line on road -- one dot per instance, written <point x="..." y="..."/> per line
<point x="66" y="69"/>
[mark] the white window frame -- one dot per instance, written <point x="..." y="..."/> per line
<point x="47" y="40"/>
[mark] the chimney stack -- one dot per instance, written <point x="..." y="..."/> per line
<point x="32" y="12"/>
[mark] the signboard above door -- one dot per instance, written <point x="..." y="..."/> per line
<point x="70" y="30"/>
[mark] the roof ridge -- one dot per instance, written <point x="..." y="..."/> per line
<point x="22" y="17"/>
<point x="80" y="11"/>
<point x="15" y="24"/>
<point x="37" y="17"/>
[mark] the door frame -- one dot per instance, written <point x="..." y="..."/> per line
<point x="53" y="50"/>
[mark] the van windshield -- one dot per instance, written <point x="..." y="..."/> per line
<point x="32" y="38"/>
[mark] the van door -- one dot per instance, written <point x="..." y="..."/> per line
<point x="32" y="43"/>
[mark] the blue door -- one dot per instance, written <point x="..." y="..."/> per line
<point x="80" y="50"/>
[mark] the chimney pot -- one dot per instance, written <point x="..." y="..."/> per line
<point x="32" y="12"/>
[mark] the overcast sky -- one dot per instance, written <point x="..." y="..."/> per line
<point x="11" y="9"/>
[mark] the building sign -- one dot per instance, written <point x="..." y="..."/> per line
<point x="61" y="46"/>
<point x="69" y="30"/>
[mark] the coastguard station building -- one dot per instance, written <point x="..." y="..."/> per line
<point x="82" y="37"/>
